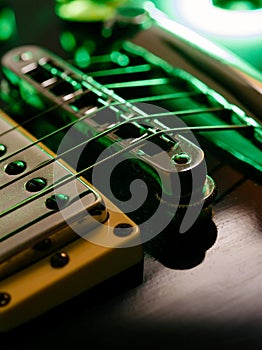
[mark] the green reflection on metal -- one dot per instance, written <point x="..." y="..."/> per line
<point x="119" y="58"/>
<point x="239" y="145"/>
<point x="120" y="71"/>
<point x="138" y="83"/>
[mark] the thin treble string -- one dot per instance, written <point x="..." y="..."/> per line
<point x="53" y="133"/>
<point x="113" y="128"/>
<point x="101" y="134"/>
<point x="36" y="116"/>
<point x="84" y="143"/>
<point x="131" y="146"/>
<point x="41" y="114"/>
<point x="58" y="130"/>
<point x="188" y="112"/>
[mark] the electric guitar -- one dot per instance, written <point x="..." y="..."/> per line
<point x="103" y="148"/>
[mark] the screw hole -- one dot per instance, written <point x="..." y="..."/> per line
<point x="4" y="299"/>
<point x="123" y="229"/>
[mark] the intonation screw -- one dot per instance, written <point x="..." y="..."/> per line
<point x="181" y="158"/>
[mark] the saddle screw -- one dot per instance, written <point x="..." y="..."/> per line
<point x="181" y="158"/>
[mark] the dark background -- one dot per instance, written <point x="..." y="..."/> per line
<point x="204" y="293"/>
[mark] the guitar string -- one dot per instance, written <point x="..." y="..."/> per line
<point x="6" y="108"/>
<point x="176" y="95"/>
<point x="43" y="138"/>
<point x="113" y="128"/>
<point x="72" y="177"/>
<point x="39" y="115"/>
<point x="202" y="128"/>
<point x="74" y="122"/>
<point x="17" y="126"/>
<point x="58" y="105"/>
<point x="50" y="161"/>
<point x="106" y="131"/>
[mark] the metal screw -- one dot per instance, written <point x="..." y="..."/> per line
<point x="181" y="158"/>
<point x="59" y="259"/>
<point x="2" y="149"/>
<point x="15" y="168"/>
<point x="35" y="184"/>
<point x="57" y="201"/>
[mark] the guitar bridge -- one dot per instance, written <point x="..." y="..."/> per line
<point x="172" y="165"/>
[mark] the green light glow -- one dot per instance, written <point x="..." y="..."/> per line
<point x="68" y="41"/>
<point x="204" y="45"/>
<point x="7" y="23"/>
<point x="82" y="57"/>
<point x="120" y="71"/>
<point x="238" y="5"/>
<point x="232" y="141"/>
<point x="86" y="10"/>
<point x="29" y="94"/>
<point x="12" y="77"/>
<point x="119" y="58"/>
<point x="222" y="22"/>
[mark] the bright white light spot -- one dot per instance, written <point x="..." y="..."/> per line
<point x="204" y="16"/>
